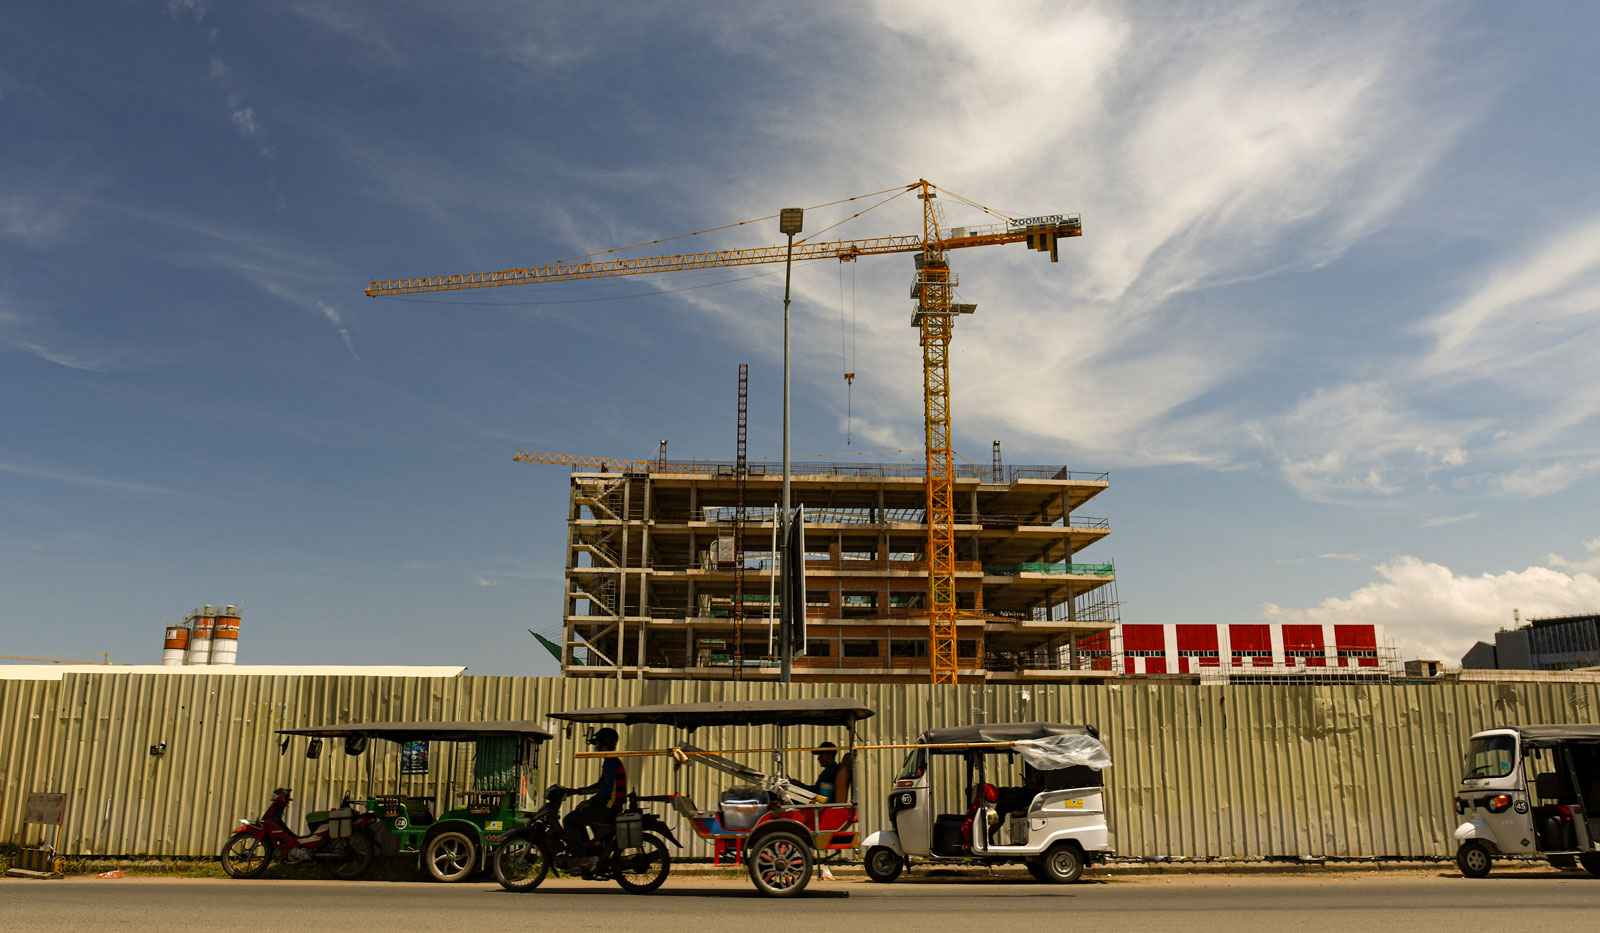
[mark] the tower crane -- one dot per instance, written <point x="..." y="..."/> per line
<point x="932" y="287"/>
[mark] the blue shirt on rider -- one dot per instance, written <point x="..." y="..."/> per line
<point x="612" y="787"/>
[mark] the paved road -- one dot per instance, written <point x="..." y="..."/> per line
<point x="1426" y="900"/>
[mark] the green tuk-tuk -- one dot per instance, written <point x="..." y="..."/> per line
<point x="449" y="822"/>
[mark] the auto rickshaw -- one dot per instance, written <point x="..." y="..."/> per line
<point x="950" y="801"/>
<point x="450" y="832"/>
<point x="1530" y="791"/>
<point x="780" y="827"/>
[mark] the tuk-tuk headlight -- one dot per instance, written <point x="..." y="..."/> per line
<point x="1499" y="803"/>
<point x="1461" y="805"/>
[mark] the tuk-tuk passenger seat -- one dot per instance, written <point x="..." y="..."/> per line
<point x="417" y="810"/>
<point x="688" y="809"/>
<point x="841" y="780"/>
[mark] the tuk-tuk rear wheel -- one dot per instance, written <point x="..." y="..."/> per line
<point x="1473" y="859"/>
<point x="1591" y="863"/>
<point x="451" y="856"/>
<point x="780" y="864"/>
<point x="1063" y="864"/>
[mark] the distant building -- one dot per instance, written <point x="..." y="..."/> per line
<point x="1562" y="643"/>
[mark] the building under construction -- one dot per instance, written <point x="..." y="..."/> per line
<point x="660" y="584"/>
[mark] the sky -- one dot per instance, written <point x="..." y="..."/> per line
<point x="1331" y="326"/>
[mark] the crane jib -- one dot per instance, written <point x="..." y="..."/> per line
<point x="841" y="250"/>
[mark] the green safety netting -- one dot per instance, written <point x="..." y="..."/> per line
<point x="1100" y="569"/>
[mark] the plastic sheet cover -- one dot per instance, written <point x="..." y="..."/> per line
<point x="1064" y="751"/>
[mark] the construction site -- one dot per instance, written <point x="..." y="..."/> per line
<point x="666" y="579"/>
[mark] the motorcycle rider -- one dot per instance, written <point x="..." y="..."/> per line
<point x="610" y="792"/>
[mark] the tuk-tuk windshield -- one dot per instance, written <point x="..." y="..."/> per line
<point x="1490" y="756"/>
<point x="916" y="763"/>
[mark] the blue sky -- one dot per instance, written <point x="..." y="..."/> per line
<point x="1331" y="325"/>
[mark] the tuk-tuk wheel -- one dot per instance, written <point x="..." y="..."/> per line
<point x="1473" y="859"/>
<point x="1063" y="864"/>
<point x="1591" y="863"/>
<point x="780" y="864"/>
<point x="450" y="856"/>
<point x="883" y="864"/>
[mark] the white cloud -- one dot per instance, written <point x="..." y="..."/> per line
<point x="1431" y="612"/>
<point x="219" y="69"/>
<point x="245" y="119"/>
<point x="1443" y="520"/>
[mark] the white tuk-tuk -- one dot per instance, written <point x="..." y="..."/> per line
<point x="1530" y="792"/>
<point x="1004" y="792"/>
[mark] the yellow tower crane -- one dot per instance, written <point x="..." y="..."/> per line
<point x="933" y="288"/>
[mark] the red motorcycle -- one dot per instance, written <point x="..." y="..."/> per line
<point x="340" y="841"/>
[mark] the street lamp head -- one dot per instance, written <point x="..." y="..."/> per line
<point x="789" y="220"/>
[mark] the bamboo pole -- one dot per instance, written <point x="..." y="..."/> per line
<point x="681" y="753"/>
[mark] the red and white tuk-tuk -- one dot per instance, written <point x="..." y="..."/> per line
<point x="782" y="827"/>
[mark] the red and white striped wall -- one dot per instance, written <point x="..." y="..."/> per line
<point x="1146" y="648"/>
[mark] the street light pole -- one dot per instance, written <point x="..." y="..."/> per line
<point x="790" y="221"/>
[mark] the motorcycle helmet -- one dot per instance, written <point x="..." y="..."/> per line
<point x="606" y="736"/>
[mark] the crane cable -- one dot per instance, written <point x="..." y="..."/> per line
<point x="847" y="347"/>
<point x="899" y="189"/>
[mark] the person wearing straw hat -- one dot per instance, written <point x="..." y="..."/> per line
<point x="828" y="758"/>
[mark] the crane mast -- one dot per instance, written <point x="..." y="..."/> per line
<point x="933" y="288"/>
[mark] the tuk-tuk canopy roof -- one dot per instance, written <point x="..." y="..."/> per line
<point x="429" y="731"/>
<point x="820" y="711"/>
<point x="1538" y="736"/>
<point x="997" y="732"/>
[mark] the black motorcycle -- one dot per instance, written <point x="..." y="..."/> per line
<point x="631" y="851"/>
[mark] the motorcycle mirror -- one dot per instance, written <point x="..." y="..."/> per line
<point x="283" y="747"/>
<point x="314" y="750"/>
<point x="355" y="744"/>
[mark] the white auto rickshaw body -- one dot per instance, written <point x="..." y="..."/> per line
<point x="1073" y="816"/>
<point x="1530" y="791"/>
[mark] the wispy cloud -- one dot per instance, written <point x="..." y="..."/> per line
<point x="1590" y="564"/>
<point x="94" y="482"/>
<point x="1360" y="441"/>
<point x="333" y="317"/>
<point x="1443" y="520"/>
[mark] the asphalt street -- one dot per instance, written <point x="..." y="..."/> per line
<point x="1432" y="899"/>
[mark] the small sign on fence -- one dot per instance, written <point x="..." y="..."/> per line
<point x="45" y="808"/>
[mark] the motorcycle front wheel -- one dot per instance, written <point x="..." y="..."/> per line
<point x="245" y="856"/>
<point x="521" y="864"/>
<point x="642" y="870"/>
<point x="350" y="858"/>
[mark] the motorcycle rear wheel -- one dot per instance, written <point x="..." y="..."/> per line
<point x="349" y="859"/>
<point x="642" y="870"/>
<point x="521" y="864"/>
<point x="245" y="856"/>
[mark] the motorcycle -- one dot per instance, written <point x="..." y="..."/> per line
<point x="632" y="852"/>
<point x="340" y="841"/>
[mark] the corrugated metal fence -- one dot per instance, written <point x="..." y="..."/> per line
<point x="1208" y="772"/>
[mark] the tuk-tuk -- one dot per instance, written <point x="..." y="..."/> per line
<point x="780" y="827"/>
<point x="1530" y="791"/>
<point x="952" y="801"/>
<point x="450" y="832"/>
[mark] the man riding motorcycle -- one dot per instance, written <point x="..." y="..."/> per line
<point x="610" y="793"/>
